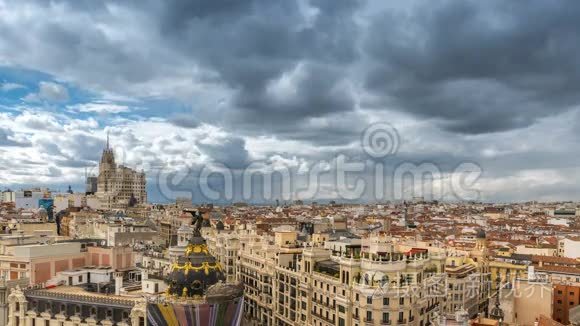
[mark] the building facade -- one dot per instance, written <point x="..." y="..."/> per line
<point x="119" y="186"/>
<point x="291" y="282"/>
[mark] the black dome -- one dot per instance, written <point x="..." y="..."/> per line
<point x="194" y="272"/>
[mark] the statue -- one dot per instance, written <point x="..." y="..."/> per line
<point x="196" y="221"/>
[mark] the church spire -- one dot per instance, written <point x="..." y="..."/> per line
<point x="107" y="147"/>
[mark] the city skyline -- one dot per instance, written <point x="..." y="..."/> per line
<point x="182" y="86"/>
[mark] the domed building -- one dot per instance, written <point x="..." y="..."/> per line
<point x="197" y="293"/>
<point x="195" y="271"/>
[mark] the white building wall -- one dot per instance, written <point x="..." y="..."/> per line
<point x="93" y="202"/>
<point x="60" y="203"/>
<point x="8" y="197"/>
<point x="569" y="248"/>
<point x="27" y="202"/>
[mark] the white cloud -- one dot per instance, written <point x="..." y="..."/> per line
<point x="7" y="87"/>
<point x="99" y="107"/>
<point x="48" y="91"/>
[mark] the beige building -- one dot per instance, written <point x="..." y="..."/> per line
<point x="292" y="282"/>
<point x="119" y="186"/>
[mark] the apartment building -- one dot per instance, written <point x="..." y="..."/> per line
<point x="569" y="247"/>
<point x="566" y="297"/>
<point x="291" y="279"/>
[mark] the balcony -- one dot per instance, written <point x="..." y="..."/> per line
<point x="401" y="321"/>
<point x="322" y="317"/>
<point x="332" y="275"/>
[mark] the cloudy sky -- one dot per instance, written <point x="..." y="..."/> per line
<point x="183" y="85"/>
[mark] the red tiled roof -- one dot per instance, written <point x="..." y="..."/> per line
<point x="547" y="321"/>
<point x="559" y="269"/>
<point x="555" y="260"/>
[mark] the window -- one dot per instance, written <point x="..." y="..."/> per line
<point x="401" y="301"/>
<point x="341" y="309"/>
<point x="385" y="301"/>
<point x="385" y="317"/>
<point x="369" y="315"/>
<point x="80" y="278"/>
<point x="369" y="300"/>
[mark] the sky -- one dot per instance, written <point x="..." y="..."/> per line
<point x="187" y="87"/>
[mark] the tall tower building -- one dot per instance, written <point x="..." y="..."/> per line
<point x="118" y="185"/>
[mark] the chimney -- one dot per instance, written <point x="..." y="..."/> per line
<point x="118" y="283"/>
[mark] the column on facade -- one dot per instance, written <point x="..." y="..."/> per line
<point x="42" y="317"/>
<point x="139" y="311"/>
<point x="11" y="313"/>
<point x="61" y="320"/>
<point x="30" y="317"/>
<point x="91" y="321"/>
<point x="76" y="320"/>
<point x="17" y="307"/>
<point x="106" y="322"/>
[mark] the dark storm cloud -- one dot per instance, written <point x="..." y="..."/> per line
<point x="252" y="44"/>
<point x="471" y="66"/>
<point x="184" y="120"/>
<point x="230" y="152"/>
<point x="78" y="150"/>
<point x="451" y="75"/>
<point x="478" y="66"/>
